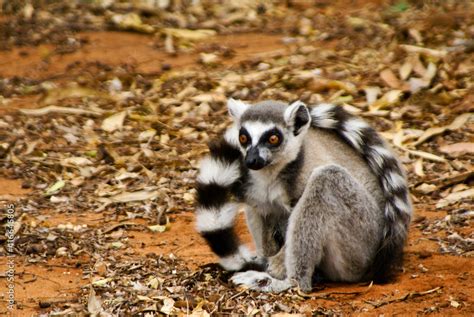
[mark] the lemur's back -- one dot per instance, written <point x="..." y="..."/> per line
<point x="323" y="147"/>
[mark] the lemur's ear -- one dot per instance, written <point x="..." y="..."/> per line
<point x="236" y="108"/>
<point x="297" y="116"/>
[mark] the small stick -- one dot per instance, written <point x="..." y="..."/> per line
<point x="329" y="294"/>
<point x="403" y="298"/>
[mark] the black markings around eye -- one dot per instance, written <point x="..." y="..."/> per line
<point x="265" y="138"/>
<point x="244" y="137"/>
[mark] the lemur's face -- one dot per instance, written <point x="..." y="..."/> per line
<point x="268" y="134"/>
<point x="261" y="143"/>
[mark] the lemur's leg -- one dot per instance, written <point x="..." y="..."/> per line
<point x="336" y="226"/>
<point x="268" y="232"/>
<point x="256" y="227"/>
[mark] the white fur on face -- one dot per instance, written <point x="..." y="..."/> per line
<point x="256" y="129"/>
<point x="231" y="135"/>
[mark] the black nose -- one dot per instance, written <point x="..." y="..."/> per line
<point x="253" y="160"/>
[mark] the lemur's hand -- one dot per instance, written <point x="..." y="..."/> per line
<point x="276" y="264"/>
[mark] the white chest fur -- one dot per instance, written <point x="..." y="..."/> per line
<point x="266" y="192"/>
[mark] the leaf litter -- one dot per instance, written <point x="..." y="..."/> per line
<point x="125" y="145"/>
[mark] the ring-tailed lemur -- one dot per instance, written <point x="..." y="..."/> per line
<point x="324" y="195"/>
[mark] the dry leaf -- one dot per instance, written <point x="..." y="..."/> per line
<point x="430" y="72"/>
<point x="390" y="79"/>
<point x="455" y="197"/>
<point x="161" y="228"/>
<point x="114" y="122"/>
<point x="199" y="311"/>
<point x="56" y="109"/>
<point x="416" y="35"/>
<point x="426" y="188"/>
<point x="416" y="84"/>
<point x="144" y="298"/>
<point x="58" y="94"/>
<point x="168" y="306"/>
<point x="318" y="84"/>
<point x="458" y="149"/>
<point x="134" y="196"/>
<point x="94" y="305"/>
<point x="389" y="99"/>
<point x="460" y="121"/>
<point x="76" y="160"/>
<point x="418" y="168"/>
<point x="56" y="187"/>
<point x="371" y="94"/>
<point x="169" y="45"/>
<point x="424" y="51"/>
<point x="208" y="58"/>
<point x="191" y="35"/>
<point x="427" y="156"/>
<point x="131" y="21"/>
<point x="405" y="70"/>
<point x="456" y="124"/>
<point x="454" y="304"/>
<point x="102" y="282"/>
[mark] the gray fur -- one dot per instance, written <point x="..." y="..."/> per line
<point x="335" y="227"/>
<point x="266" y="111"/>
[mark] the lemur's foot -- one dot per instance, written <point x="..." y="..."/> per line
<point x="260" y="281"/>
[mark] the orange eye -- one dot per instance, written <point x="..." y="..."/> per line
<point x="273" y="139"/>
<point x="243" y="139"/>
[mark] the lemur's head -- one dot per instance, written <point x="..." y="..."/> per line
<point x="269" y="133"/>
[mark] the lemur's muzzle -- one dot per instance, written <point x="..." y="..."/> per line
<point x="253" y="159"/>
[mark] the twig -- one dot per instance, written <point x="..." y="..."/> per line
<point x="329" y="294"/>
<point x="57" y="109"/>
<point x="33" y="279"/>
<point x="238" y="294"/>
<point x="217" y="305"/>
<point x="47" y="279"/>
<point x="122" y="224"/>
<point x="403" y="298"/>
<point x="175" y="251"/>
<point x="451" y="180"/>
<point x="54" y="301"/>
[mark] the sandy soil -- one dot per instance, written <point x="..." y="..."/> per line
<point x="46" y="283"/>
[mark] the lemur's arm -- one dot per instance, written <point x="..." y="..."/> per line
<point x="220" y="182"/>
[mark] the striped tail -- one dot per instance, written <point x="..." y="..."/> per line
<point x="359" y="135"/>
<point x="221" y="178"/>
